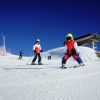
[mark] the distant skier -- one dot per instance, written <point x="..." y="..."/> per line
<point x="21" y="54"/>
<point x="49" y="57"/>
<point x="72" y="50"/>
<point x="37" y="50"/>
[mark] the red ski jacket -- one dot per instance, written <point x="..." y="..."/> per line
<point x="70" y="46"/>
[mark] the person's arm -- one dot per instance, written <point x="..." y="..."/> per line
<point x="40" y="47"/>
<point x="22" y="52"/>
<point x="77" y="49"/>
<point x="66" y="49"/>
<point x="65" y="45"/>
<point x="34" y="48"/>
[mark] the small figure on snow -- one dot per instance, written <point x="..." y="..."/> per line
<point x="72" y="50"/>
<point x="37" y="50"/>
<point x="49" y="57"/>
<point x="21" y="54"/>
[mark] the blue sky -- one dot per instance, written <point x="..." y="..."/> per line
<point x="23" y="21"/>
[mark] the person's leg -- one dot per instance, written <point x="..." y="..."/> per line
<point x="39" y="58"/>
<point x="78" y="59"/>
<point x="65" y="58"/>
<point x="20" y="56"/>
<point x="34" y="59"/>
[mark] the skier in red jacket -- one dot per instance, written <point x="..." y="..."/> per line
<point x="72" y="50"/>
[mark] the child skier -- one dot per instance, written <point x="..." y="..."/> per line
<point x="37" y="50"/>
<point x="72" y="50"/>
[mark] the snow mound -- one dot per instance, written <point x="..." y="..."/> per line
<point x="57" y="52"/>
<point x="86" y="53"/>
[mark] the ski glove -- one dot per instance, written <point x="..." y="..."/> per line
<point x="34" y="51"/>
<point x="41" y="50"/>
<point x="78" y="53"/>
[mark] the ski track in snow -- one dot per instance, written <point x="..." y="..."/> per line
<point x="49" y="83"/>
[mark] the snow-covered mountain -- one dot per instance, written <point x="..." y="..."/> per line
<point x="19" y="81"/>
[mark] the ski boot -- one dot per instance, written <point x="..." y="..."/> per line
<point x="33" y="63"/>
<point x="82" y="64"/>
<point x="63" y="66"/>
<point x="39" y="63"/>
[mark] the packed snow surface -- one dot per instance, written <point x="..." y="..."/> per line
<point x="19" y="81"/>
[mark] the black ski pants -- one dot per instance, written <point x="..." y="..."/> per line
<point x="35" y="57"/>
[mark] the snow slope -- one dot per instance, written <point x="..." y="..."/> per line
<point x="19" y="81"/>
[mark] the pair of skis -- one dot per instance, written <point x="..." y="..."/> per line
<point x="75" y="66"/>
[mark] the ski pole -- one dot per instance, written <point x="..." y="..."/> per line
<point x="29" y="60"/>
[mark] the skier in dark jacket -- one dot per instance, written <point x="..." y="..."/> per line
<point x="72" y="50"/>
<point x="37" y="50"/>
<point x="21" y="54"/>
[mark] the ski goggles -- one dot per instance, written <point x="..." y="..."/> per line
<point x="68" y="38"/>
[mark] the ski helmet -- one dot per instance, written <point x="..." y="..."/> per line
<point x="38" y="40"/>
<point x="69" y="36"/>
